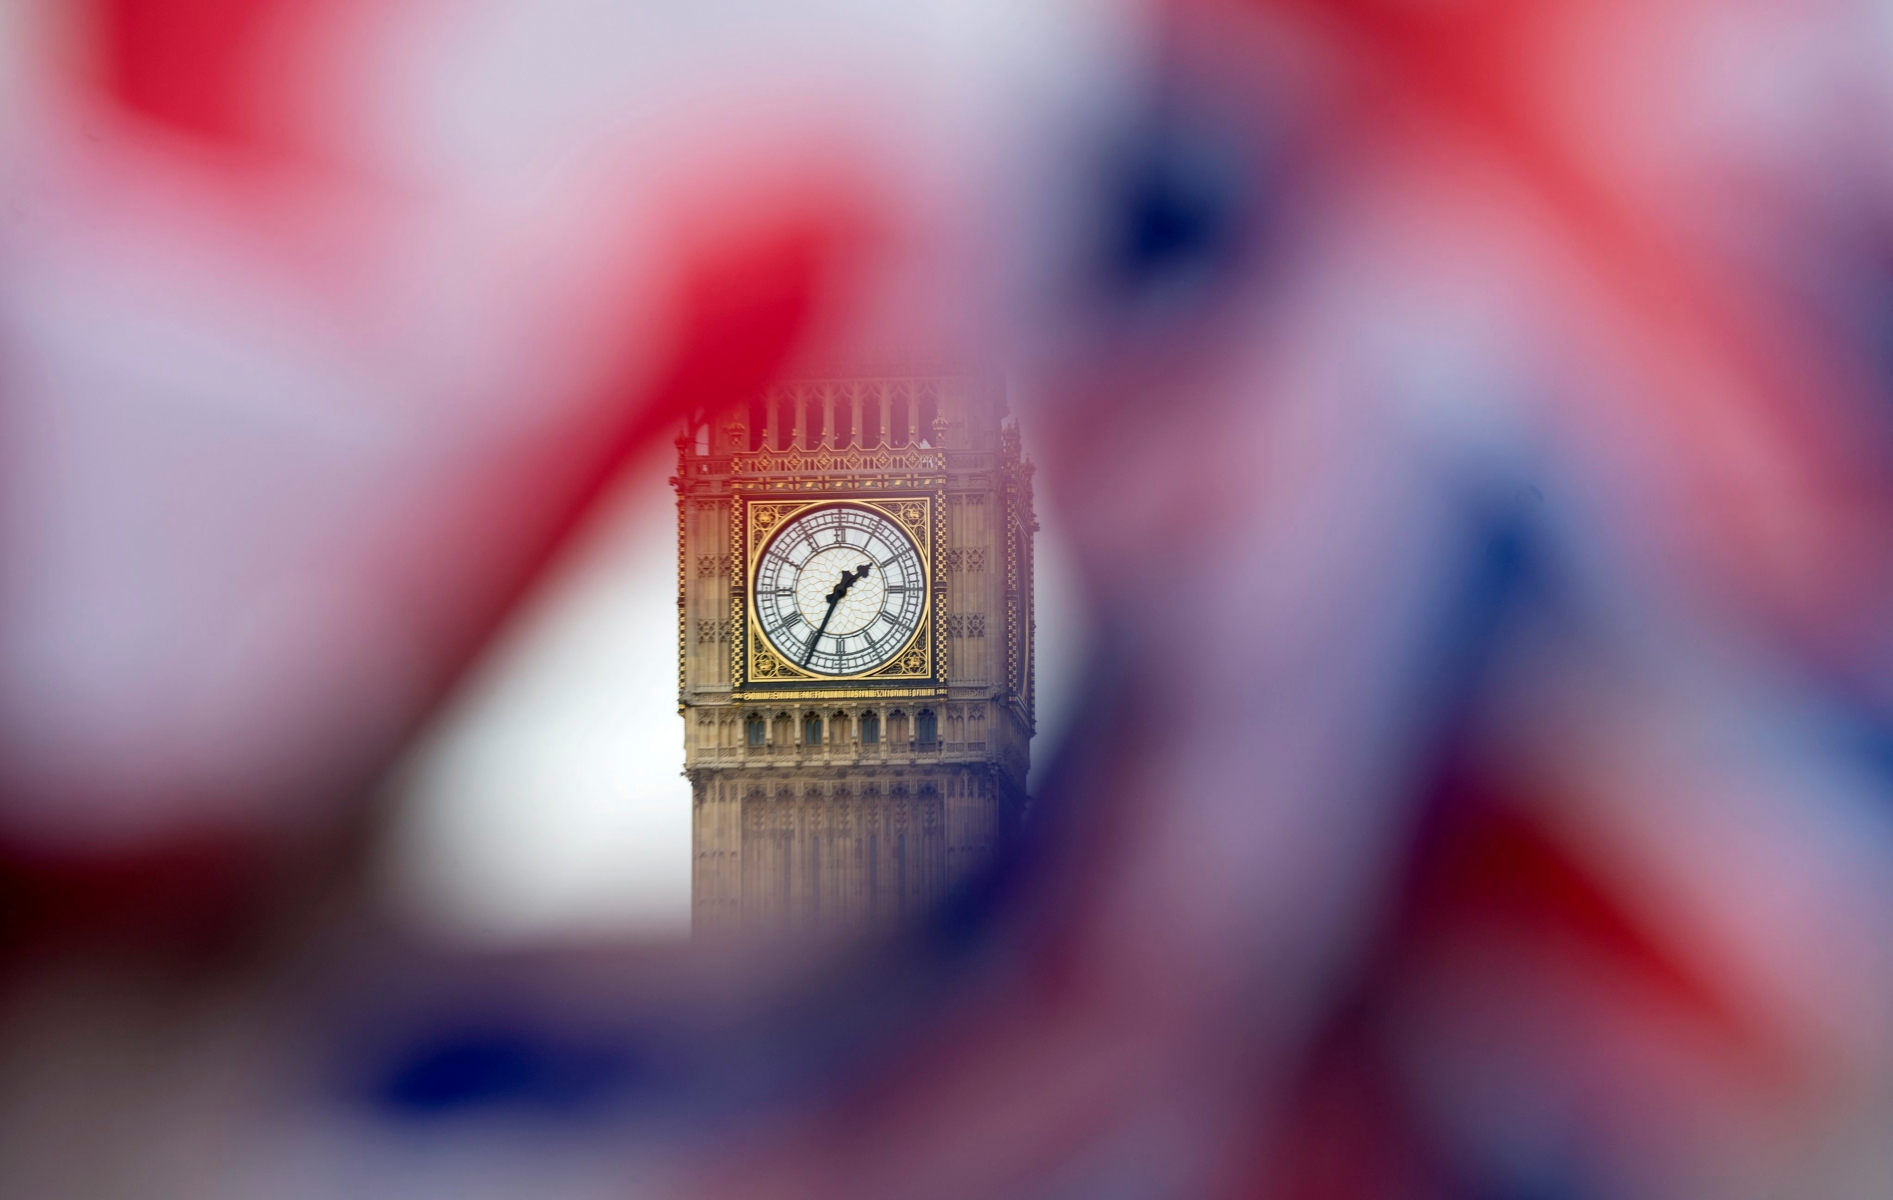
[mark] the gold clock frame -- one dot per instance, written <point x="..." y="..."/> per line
<point x="761" y="672"/>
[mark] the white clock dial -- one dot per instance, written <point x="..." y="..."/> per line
<point x="840" y="590"/>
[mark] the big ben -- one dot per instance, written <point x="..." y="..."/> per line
<point x="855" y="645"/>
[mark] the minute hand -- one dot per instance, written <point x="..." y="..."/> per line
<point x="848" y="580"/>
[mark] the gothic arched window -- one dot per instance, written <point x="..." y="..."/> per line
<point x="758" y="423"/>
<point x="929" y="409"/>
<point x="844" y="418"/>
<point x="812" y="729"/>
<point x="753" y="730"/>
<point x="925" y="730"/>
<point x="870" y="729"/>
<point x="785" y="424"/>
<point x="897" y="420"/>
<point x="812" y="413"/>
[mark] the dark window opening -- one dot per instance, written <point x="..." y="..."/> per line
<point x="785" y="425"/>
<point x="844" y="419"/>
<point x="870" y="730"/>
<point x="924" y="728"/>
<point x="753" y="730"/>
<point x="929" y="410"/>
<point x="812" y="422"/>
<point x="812" y="730"/>
<point x="758" y="422"/>
<point x="897" y="422"/>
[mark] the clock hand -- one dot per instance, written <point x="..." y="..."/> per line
<point x="808" y="649"/>
<point x="848" y="580"/>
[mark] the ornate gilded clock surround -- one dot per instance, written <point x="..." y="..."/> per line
<point x="759" y="672"/>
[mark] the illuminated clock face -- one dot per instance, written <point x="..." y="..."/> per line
<point x="840" y="590"/>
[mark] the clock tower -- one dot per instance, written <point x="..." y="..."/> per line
<point x="854" y="601"/>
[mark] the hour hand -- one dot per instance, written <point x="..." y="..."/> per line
<point x="848" y="580"/>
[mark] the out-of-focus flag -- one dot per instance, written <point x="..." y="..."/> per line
<point x="1471" y="421"/>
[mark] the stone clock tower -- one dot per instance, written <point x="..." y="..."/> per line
<point x="854" y="602"/>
